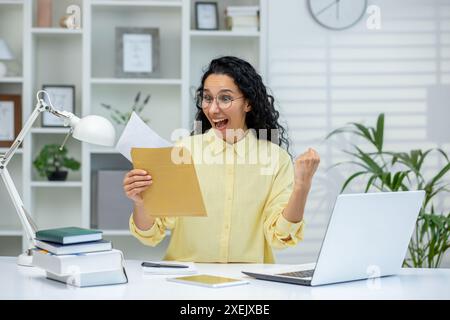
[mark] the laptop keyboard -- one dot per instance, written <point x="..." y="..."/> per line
<point x="298" y="274"/>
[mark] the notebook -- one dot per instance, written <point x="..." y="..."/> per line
<point x="59" y="249"/>
<point x="69" y="235"/>
<point x="206" y="280"/>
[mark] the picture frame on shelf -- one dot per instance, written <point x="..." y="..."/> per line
<point x="62" y="98"/>
<point x="10" y="118"/>
<point x="206" y="15"/>
<point x="137" y="52"/>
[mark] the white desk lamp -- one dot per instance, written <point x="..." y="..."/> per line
<point x="5" y="54"/>
<point x="92" y="129"/>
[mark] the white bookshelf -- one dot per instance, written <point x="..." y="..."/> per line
<point x="10" y="233"/>
<point x="3" y="150"/>
<point x="103" y="150"/>
<point x="11" y="2"/>
<point x="12" y="26"/>
<point x="50" y="130"/>
<point x="11" y="80"/>
<point x="55" y="31"/>
<point x="138" y="3"/>
<point x="124" y="233"/>
<point x="214" y="34"/>
<point x="86" y="58"/>
<point x="157" y="82"/>
<point x="56" y="184"/>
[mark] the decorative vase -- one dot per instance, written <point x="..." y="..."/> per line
<point x="57" y="175"/>
<point x="44" y="13"/>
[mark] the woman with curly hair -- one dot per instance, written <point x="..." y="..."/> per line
<point x="254" y="195"/>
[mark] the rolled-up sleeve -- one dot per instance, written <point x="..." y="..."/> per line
<point x="279" y="232"/>
<point x="155" y="234"/>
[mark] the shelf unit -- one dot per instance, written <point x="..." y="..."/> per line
<point x="225" y="33"/>
<point x="3" y="150"/>
<point x="162" y="82"/>
<point x="55" y="31"/>
<point x="12" y="27"/>
<point x="86" y="58"/>
<point x="11" y="80"/>
<point x="56" y="184"/>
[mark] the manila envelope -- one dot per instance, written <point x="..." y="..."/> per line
<point x="175" y="190"/>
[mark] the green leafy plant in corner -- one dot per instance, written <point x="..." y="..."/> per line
<point x="53" y="159"/>
<point x="387" y="170"/>
<point x="121" y="117"/>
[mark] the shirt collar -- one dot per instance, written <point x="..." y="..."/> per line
<point x="241" y="148"/>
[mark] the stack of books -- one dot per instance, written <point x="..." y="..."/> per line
<point x="242" y="18"/>
<point x="78" y="257"/>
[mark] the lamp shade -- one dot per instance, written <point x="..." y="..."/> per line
<point x="5" y="52"/>
<point x="94" y="129"/>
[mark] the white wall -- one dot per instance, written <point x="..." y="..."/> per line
<point x="323" y="79"/>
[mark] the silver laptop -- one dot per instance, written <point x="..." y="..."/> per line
<point x="367" y="236"/>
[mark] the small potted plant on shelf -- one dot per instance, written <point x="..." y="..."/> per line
<point x="51" y="160"/>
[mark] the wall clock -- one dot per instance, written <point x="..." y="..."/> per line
<point x="337" y="14"/>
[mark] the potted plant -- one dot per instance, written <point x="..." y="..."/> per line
<point x="387" y="170"/>
<point x="121" y="117"/>
<point x="51" y="160"/>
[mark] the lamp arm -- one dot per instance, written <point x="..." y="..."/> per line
<point x="69" y="120"/>
<point x="25" y="219"/>
<point x="18" y="141"/>
<point x="41" y="106"/>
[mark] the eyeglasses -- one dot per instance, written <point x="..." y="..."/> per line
<point x="224" y="101"/>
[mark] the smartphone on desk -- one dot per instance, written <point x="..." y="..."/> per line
<point x="210" y="281"/>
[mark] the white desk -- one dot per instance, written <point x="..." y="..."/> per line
<point x="30" y="283"/>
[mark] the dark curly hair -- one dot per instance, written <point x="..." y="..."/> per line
<point x="262" y="114"/>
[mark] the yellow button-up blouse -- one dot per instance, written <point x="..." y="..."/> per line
<point x="245" y="188"/>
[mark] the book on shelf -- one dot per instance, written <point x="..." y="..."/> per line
<point x="90" y="279"/>
<point x="80" y="263"/>
<point x="69" y="235"/>
<point x="241" y="10"/>
<point x="249" y="24"/>
<point x="245" y="29"/>
<point x="243" y="21"/>
<point x="60" y="249"/>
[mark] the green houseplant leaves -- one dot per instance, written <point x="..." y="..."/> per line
<point x="122" y="117"/>
<point x="53" y="159"/>
<point x="402" y="171"/>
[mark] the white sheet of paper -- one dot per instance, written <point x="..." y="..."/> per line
<point x="137" y="134"/>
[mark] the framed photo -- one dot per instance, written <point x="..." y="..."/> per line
<point x="10" y="118"/>
<point x="62" y="98"/>
<point x="137" y="52"/>
<point x="206" y="16"/>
